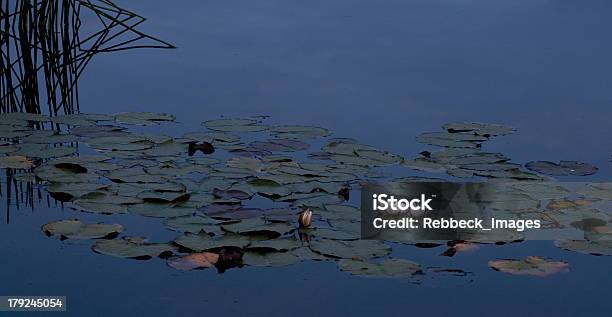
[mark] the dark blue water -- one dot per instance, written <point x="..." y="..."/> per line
<point x="378" y="71"/>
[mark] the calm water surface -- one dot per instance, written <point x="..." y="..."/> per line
<point x="378" y="71"/>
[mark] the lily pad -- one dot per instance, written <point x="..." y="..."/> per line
<point x="360" y="249"/>
<point x="603" y="247"/>
<point x="74" y="190"/>
<point x="280" y="145"/>
<point x="193" y="261"/>
<point x="75" y="229"/>
<point x="484" y="129"/>
<point x="391" y="268"/>
<point x="278" y="245"/>
<point x="235" y="125"/>
<point x="16" y="162"/>
<point x="452" y="140"/>
<point x="299" y="132"/>
<point x="160" y="210"/>
<point x="274" y="259"/>
<point x="194" y="224"/>
<point x="143" y="118"/>
<point x="202" y="242"/>
<point x="531" y="265"/>
<point x="255" y="226"/>
<point x="563" y="168"/>
<point x="134" y="248"/>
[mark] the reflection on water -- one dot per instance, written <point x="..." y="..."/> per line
<point x="45" y="48"/>
<point x="237" y="200"/>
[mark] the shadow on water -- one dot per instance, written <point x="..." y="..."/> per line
<point x="46" y="46"/>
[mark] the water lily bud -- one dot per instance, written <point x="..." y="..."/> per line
<point x="305" y="218"/>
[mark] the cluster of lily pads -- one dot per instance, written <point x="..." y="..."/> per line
<point x="208" y="200"/>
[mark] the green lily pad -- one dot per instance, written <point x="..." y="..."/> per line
<point x="143" y="118"/>
<point x="134" y="175"/>
<point x="278" y="245"/>
<point x="53" y="174"/>
<point x="49" y="137"/>
<point x="160" y="210"/>
<point x="531" y="265"/>
<point x="563" y="168"/>
<point x="258" y="226"/>
<point x="212" y="137"/>
<point x="274" y="259"/>
<point x="427" y="165"/>
<point x="202" y="242"/>
<point x="332" y="234"/>
<point x="126" y="142"/>
<point x="235" y="125"/>
<point x="16" y="162"/>
<point x="391" y="268"/>
<point x="603" y="247"/>
<point x="23" y="116"/>
<point x="81" y="119"/>
<point x="194" y="224"/>
<point x="452" y="140"/>
<point x="299" y="132"/>
<point x="75" y="190"/>
<point x="133" y="248"/>
<point x="43" y="151"/>
<point x="484" y="129"/>
<point x="163" y="197"/>
<point x="280" y="145"/>
<point x="75" y="229"/>
<point x="360" y="249"/>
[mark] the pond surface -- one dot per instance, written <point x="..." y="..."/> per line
<point x="381" y="73"/>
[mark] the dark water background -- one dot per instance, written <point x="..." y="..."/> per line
<point x="378" y="71"/>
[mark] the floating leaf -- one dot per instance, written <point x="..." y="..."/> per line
<point x="74" y="190"/>
<point x="484" y="129"/>
<point x="75" y="229"/>
<point x="453" y="140"/>
<point x="160" y="210"/>
<point x="275" y="259"/>
<point x="391" y="268"/>
<point x="163" y="197"/>
<point x="203" y="242"/>
<point x="133" y="248"/>
<point x="23" y="116"/>
<point x="143" y="118"/>
<point x="563" y="168"/>
<point x="255" y="226"/>
<point x="194" y="261"/>
<point x="603" y="247"/>
<point x="43" y="151"/>
<point x="280" y="145"/>
<point x="299" y="132"/>
<point x="16" y="162"/>
<point x="134" y="175"/>
<point x="194" y="224"/>
<point x="360" y="249"/>
<point x="279" y="245"/>
<point x="531" y="265"/>
<point x="235" y="125"/>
